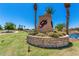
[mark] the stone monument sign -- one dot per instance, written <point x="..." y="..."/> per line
<point x="45" y="23"/>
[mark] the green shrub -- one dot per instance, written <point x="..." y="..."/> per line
<point x="55" y="31"/>
<point x="56" y="35"/>
<point x="33" y="33"/>
<point x="59" y="27"/>
<point x="64" y="33"/>
<point x="40" y="34"/>
<point x="60" y="33"/>
<point x="50" y="34"/>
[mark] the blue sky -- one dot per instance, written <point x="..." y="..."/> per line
<point x="23" y="13"/>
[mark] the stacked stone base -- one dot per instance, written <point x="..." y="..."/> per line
<point x="48" y="42"/>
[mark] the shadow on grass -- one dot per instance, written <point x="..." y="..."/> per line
<point x="59" y="48"/>
<point x="64" y="47"/>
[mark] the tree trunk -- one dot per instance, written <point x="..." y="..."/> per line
<point x="35" y="20"/>
<point x="67" y="20"/>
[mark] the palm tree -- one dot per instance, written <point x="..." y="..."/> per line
<point x="67" y="5"/>
<point x="49" y="10"/>
<point x="35" y="9"/>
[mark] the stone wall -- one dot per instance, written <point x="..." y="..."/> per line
<point x="47" y="42"/>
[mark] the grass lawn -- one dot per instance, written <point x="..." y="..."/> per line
<point x="15" y="45"/>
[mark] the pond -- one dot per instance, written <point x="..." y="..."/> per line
<point x="74" y="35"/>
